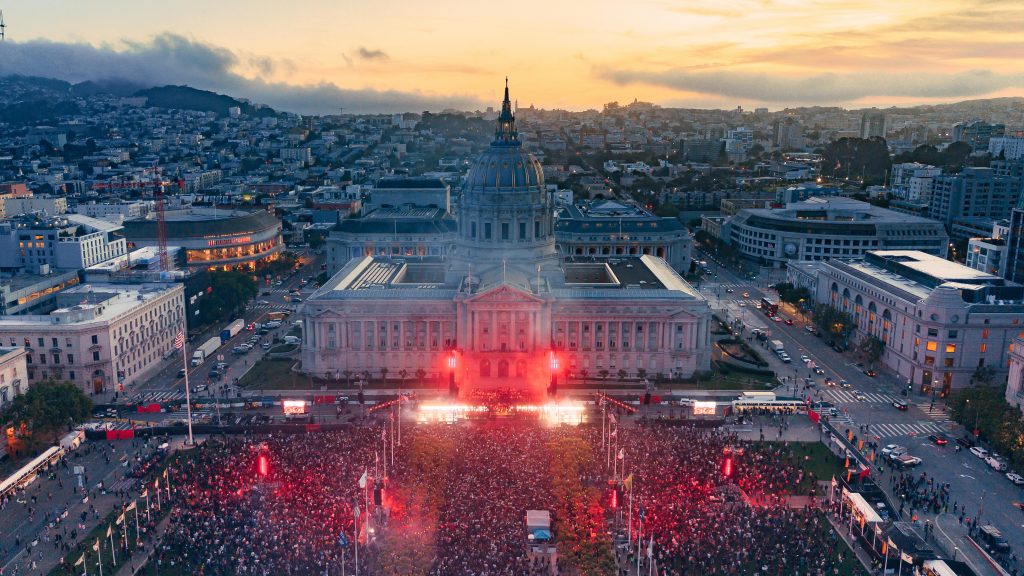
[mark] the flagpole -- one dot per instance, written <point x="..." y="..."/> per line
<point x="188" y="398"/>
<point x="99" y="560"/>
<point x="650" y="557"/>
<point x="603" y="418"/>
<point x="399" y="416"/>
<point x="138" y="536"/>
<point x="393" y="437"/>
<point x="113" y="554"/>
<point x="629" y="530"/>
<point x="149" y="518"/>
<point x="639" y="543"/>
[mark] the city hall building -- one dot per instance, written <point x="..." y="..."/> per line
<point x="502" y="309"/>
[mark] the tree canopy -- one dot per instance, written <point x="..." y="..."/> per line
<point x="857" y="158"/>
<point x="46" y="410"/>
<point x="230" y="291"/>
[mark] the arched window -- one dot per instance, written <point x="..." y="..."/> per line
<point x="846" y="298"/>
<point x="858" y="307"/>
<point x="485" y="368"/>
<point x="520" y="368"/>
<point x="503" y="369"/>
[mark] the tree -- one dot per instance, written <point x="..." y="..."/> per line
<point x="833" y="321"/>
<point x="420" y="375"/>
<point x="583" y="375"/>
<point x="384" y="375"/>
<point x="622" y="374"/>
<point x="46" y="410"/>
<point x="403" y="373"/>
<point x="983" y="375"/>
<point x="229" y="292"/>
<point x="872" y="348"/>
<point x="604" y="374"/>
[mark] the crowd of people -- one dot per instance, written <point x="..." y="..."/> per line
<point x="465" y="488"/>
<point x="681" y="482"/>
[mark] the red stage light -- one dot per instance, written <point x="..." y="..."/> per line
<point x="727" y="467"/>
<point x="554" y="362"/>
<point x="615" y="499"/>
<point x="263" y="465"/>
<point x="451" y="361"/>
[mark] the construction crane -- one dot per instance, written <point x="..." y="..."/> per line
<point x="3" y="27"/>
<point x="157" y="186"/>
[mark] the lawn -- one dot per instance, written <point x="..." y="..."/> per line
<point x="818" y="460"/>
<point x="730" y="381"/>
<point x="272" y="375"/>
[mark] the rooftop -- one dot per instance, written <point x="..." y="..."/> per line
<point x="837" y="209"/>
<point x="88" y="303"/>
<point x="397" y="182"/>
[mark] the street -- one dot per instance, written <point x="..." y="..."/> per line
<point x="868" y="401"/>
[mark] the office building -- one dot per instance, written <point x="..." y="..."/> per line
<point x="13" y="374"/>
<point x="823" y="228"/>
<point x="872" y="125"/>
<point x="912" y="181"/>
<point x="940" y="321"/>
<point x="977" y="134"/>
<point x="974" y="193"/>
<point x="100" y="335"/>
<point x="39" y="243"/>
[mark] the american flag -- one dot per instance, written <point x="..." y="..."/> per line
<point x="179" y="340"/>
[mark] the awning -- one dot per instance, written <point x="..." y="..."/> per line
<point x="862" y="506"/>
<point x="541" y="535"/>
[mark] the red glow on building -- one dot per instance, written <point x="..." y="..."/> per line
<point x="554" y="362"/>
<point x="451" y="361"/>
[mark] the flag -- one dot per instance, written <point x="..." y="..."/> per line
<point x="622" y="453"/>
<point x="130" y="507"/>
<point x="628" y="482"/>
<point x="650" y="548"/>
<point x="356" y="512"/>
<point x="642" y="512"/>
<point x="120" y="519"/>
<point x="384" y="434"/>
<point x="362" y="480"/>
<point x="611" y="417"/>
<point x="109" y="531"/>
<point x="80" y="561"/>
<point x="813" y="416"/>
<point x="96" y="546"/>
<point x="392" y="415"/>
<point x="145" y="493"/>
<point x="904" y="557"/>
<point x="165" y="473"/>
<point x="156" y="485"/>
<point x="615" y="432"/>
<point x="342" y="540"/>
<point x="179" y="340"/>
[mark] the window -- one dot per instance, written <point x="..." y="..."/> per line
<point x="71" y="375"/>
<point x="472" y="228"/>
<point x="42" y="358"/>
<point x="948" y="362"/>
<point x="56" y="358"/>
<point x="55" y="345"/>
<point x="487" y="230"/>
<point x="504" y="230"/>
<point x="536" y="228"/>
<point x="950" y="348"/>
<point x="952" y="334"/>
<point x="95" y="339"/>
<point x="71" y="358"/>
<point x="929" y="360"/>
<point x="41" y="343"/>
<point x="96" y="356"/>
<point x="522" y="231"/>
<point x="932" y="346"/>
<point x="933" y="331"/>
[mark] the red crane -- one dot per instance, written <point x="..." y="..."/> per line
<point x="157" y="186"/>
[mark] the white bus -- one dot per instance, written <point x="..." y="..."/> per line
<point x="27" y="474"/>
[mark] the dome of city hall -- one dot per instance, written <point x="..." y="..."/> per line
<point x="504" y="166"/>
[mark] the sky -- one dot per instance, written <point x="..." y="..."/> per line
<point x="390" y="55"/>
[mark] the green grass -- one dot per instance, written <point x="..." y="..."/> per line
<point x="817" y="460"/>
<point x="272" y="375"/>
<point x="282" y="349"/>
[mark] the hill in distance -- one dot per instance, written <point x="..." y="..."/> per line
<point x="188" y="98"/>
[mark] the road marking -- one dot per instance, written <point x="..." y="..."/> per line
<point x="968" y="476"/>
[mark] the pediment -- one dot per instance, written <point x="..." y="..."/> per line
<point x="503" y="294"/>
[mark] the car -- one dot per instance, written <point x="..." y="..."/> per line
<point x="742" y="304"/>
<point x="214" y="374"/>
<point x="993" y="539"/>
<point x="199" y="388"/>
<point x="181" y="373"/>
<point x="746" y="294"/>
<point x="810" y="329"/>
<point x="900" y="405"/>
<point x="897" y="452"/>
<point x="1015" y="478"/>
<point x="860" y="397"/>
<point x="299" y="300"/>
<point x="776" y="319"/>
<point x="996" y="463"/>
<point x="788" y="321"/>
<point x="839" y="348"/>
<point x="979" y="452"/>
<point x="805" y="358"/>
<point x="889" y="448"/>
<point x="939" y="439"/>
<point x="907" y="461"/>
<point x="844" y="384"/>
<point x="238" y="350"/>
<point x="819" y="370"/>
<point x="222" y="365"/>
<point x="870" y="373"/>
<point x="966" y="441"/>
<point x="265" y="345"/>
<point x="785" y="359"/>
<point x="263" y="303"/>
<point x="830" y="381"/>
<point x="729" y="290"/>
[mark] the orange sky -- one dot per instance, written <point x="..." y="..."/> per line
<point x="705" y="53"/>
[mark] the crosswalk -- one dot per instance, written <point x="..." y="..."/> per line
<point x="848" y="397"/>
<point x="159" y="397"/>
<point x="913" y="430"/>
<point x="198" y="415"/>
<point x="936" y="413"/>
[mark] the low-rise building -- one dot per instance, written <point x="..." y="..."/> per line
<point x="605" y="229"/>
<point x="398" y="192"/>
<point x="39" y="243"/>
<point x="391" y="232"/>
<point x="940" y="321"/>
<point x="823" y="228"/>
<point x="13" y="373"/>
<point x="100" y="335"/>
<point x="987" y="255"/>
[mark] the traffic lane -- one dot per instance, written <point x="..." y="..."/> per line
<point x="976" y="486"/>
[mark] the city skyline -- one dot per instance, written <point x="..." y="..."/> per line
<point x="383" y="57"/>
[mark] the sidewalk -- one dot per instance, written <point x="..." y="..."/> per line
<point x="139" y="558"/>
